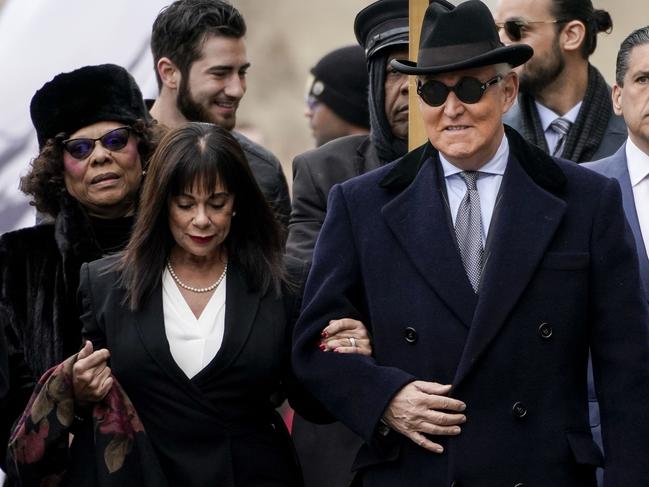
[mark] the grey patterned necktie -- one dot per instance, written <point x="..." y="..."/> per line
<point x="561" y="126"/>
<point x="468" y="229"/>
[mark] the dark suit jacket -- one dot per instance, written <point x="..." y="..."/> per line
<point x="614" y="136"/>
<point x="616" y="167"/>
<point x="219" y="427"/>
<point x="314" y="173"/>
<point x="561" y="275"/>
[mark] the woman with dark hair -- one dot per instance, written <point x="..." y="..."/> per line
<point x="195" y="317"/>
<point x="94" y="135"/>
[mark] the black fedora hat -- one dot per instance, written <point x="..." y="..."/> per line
<point x="460" y="38"/>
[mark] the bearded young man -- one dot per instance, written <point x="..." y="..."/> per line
<point x="564" y="106"/>
<point x="201" y="66"/>
<point x="485" y="271"/>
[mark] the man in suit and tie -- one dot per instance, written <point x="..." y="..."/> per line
<point x="485" y="270"/>
<point x="630" y="164"/>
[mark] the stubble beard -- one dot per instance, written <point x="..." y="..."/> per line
<point x="194" y="111"/>
<point x="535" y="78"/>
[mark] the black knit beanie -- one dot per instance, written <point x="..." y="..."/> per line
<point x="85" y="96"/>
<point x="340" y="82"/>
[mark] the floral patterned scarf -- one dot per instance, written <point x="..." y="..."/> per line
<point x="111" y="448"/>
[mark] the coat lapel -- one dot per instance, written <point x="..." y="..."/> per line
<point x="418" y="217"/>
<point x="521" y="234"/>
<point x="240" y="311"/>
<point x="241" y="308"/>
<point x="620" y="171"/>
<point x="149" y="321"/>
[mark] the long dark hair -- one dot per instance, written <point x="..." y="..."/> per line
<point x="204" y="154"/>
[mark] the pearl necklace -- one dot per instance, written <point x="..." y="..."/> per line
<point x="197" y="289"/>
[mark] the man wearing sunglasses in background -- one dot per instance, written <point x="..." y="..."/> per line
<point x="564" y="106"/>
<point x="201" y="65"/>
<point x="485" y="270"/>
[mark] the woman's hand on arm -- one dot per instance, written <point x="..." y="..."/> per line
<point x="91" y="376"/>
<point x="346" y="336"/>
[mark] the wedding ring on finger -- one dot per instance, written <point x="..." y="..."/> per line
<point x="352" y="342"/>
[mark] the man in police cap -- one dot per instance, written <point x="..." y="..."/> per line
<point x="485" y="270"/>
<point x="327" y="451"/>
<point x="382" y="30"/>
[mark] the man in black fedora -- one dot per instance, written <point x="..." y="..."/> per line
<point x="485" y="270"/>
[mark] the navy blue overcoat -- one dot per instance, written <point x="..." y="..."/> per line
<point x="561" y="276"/>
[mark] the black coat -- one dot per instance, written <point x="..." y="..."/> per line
<point x="326" y="451"/>
<point x="314" y="173"/>
<point x="561" y="277"/>
<point x="269" y="175"/>
<point x="218" y="428"/>
<point x="39" y="277"/>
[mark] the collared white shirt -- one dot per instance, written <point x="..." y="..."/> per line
<point x="547" y="116"/>
<point x="193" y="342"/>
<point x="489" y="179"/>
<point x="638" y="164"/>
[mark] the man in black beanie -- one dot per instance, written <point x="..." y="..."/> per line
<point x="382" y="30"/>
<point x="337" y="96"/>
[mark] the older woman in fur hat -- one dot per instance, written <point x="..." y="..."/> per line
<point x="94" y="135"/>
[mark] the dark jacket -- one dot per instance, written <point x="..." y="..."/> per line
<point x="269" y="176"/>
<point x="326" y="451"/>
<point x="561" y="277"/>
<point x="219" y="427"/>
<point x="614" y="135"/>
<point x="314" y="173"/>
<point x="39" y="276"/>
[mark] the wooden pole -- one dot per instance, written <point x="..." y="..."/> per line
<point x="416" y="131"/>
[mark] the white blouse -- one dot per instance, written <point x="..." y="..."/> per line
<point x="193" y="341"/>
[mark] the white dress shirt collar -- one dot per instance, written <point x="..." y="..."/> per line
<point x="637" y="162"/>
<point x="496" y="165"/>
<point x="548" y="116"/>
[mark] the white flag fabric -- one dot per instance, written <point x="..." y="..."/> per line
<point x="38" y="40"/>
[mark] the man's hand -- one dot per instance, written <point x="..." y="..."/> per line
<point x="424" y="408"/>
<point x="91" y="376"/>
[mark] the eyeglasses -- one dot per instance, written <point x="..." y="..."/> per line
<point x="468" y="90"/>
<point x="514" y="28"/>
<point x="311" y="102"/>
<point x="114" y="140"/>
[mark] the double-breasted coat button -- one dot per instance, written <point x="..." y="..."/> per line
<point x="519" y="410"/>
<point x="410" y="334"/>
<point x="545" y="331"/>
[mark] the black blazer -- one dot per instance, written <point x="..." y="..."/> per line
<point x="314" y="174"/>
<point x="218" y="428"/>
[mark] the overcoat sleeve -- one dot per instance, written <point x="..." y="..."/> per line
<point x="619" y="342"/>
<point x="298" y="397"/>
<point x="19" y="377"/>
<point x="352" y="387"/>
<point x="307" y="213"/>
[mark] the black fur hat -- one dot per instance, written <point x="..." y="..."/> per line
<point x="85" y="96"/>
